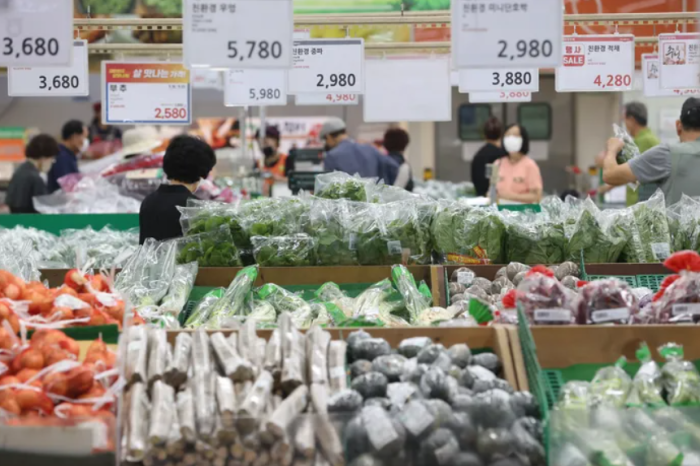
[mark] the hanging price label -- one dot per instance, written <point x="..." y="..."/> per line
<point x="322" y="66"/>
<point x="326" y="99"/>
<point x="36" y="32"/>
<point x="255" y="87"/>
<point x="503" y="33"/>
<point x="237" y="33"/>
<point x="596" y="63"/>
<point x="490" y="97"/>
<point x="680" y="61"/>
<point x="490" y="80"/>
<point x="146" y="93"/>
<point x="205" y="78"/>
<point x="73" y="80"/>
<point x="650" y="75"/>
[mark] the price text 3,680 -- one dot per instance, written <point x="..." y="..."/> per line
<point x="30" y="46"/>
<point x="59" y="82"/>
<point x="533" y="49"/>
<point x="171" y="113"/>
<point x="263" y="48"/>
<point x="336" y="80"/>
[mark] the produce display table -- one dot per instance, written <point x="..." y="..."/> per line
<point x="55" y="223"/>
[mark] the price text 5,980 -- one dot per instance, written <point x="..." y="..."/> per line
<point x="533" y="49"/>
<point x="59" y="82"/>
<point x="30" y="46"/>
<point x="264" y="50"/>
<point x="336" y="80"/>
<point x="261" y="94"/>
<point x="171" y="113"/>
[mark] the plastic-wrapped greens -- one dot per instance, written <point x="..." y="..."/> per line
<point x="329" y="223"/>
<point x="176" y="372"/>
<point x="365" y="226"/>
<point x="281" y="299"/>
<point x="630" y="149"/>
<point x="646" y="385"/>
<point x="146" y="277"/>
<point x="233" y="302"/>
<point x="339" y="185"/>
<point x="275" y="216"/>
<point x="606" y="301"/>
<point x="202" y="310"/>
<point x="600" y="235"/>
<point x="329" y="291"/>
<point x="180" y="288"/>
<point x="415" y="301"/>
<point x="212" y="249"/>
<point x="650" y="240"/>
<point x="611" y="385"/>
<point x="545" y="301"/>
<point x="534" y="239"/>
<point x="369" y="303"/>
<point x="406" y="237"/>
<point x="263" y="313"/>
<point x="683" y="224"/>
<point x="680" y="378"/>
<point x="284" y="251"/>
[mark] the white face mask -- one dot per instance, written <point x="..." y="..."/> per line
<point x="86" y="146"/>
<point x="512" y="144"/>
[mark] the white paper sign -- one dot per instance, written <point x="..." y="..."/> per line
<point x="237" y="33"/>
<point x="650" y="76"/>
<point x="36" y="32"/>
<point x="685" y="308"/>
<point x="490" y="97"/>
<point x="680" y="61"/>
<point x="326" y="99"/>
<point x="552" y="315"/>
<point x="52" y="81"/>
<point x="146" y="93"/>
<point x="255" y="87"/>
<point x="495" y="80"/>
<point x="408" y="89"/>
<point x="321" y="66"/>
<point x="610" y="315"/>
<point x="596" y="63"/>
<point x="205" y="78"/>
<point x="503" y="33"/>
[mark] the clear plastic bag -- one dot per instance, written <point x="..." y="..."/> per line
<point x="339" y="185"/>
<point x="534" y="239"/>
<point x="683" y="224"/>
<point x="235" y="302"/>
<point x="90" y="195"/>
<point x="202" y="310"/>
<point x="415" y="301"/>
<point x="647" y="383"/>
<point x="600" y="235"/>
<point x="606" y="301"/>
<point x="611" y="385"/>
<point x="214" y="248"/>
<point x="545" y="301"/>
<point x="406" y="239"/>
<point x="179" y="291"/>
<point x="681" y="379"/>
<point x="284" y="251"/>
<point x="336" y="244"/>
<point x="146" y="277"/>
<point x="650" y="239"/>
<point x="366" y="228"/>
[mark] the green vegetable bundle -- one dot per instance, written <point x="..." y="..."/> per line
<point x="208" y="217"/>
<point x="650" y="239"/>
<point x="366" y="230"/>
<point x="275" y="217"/>
<point x="235" y="303"/>
<point x="601" y="236"/>
<point x="681" y="379"/>
<point x="465" y="235"/>
<point x="406" y="238"/>
<point x="630" y="149"/>
<point x="683" y="223"/>
<point x="534" y="239"/>
<point x="202" y="310"/>
<point x="416" y="302"/>
<point x="328" y="224"/>
<point x="284" y="251"/>
<point x="339" y="185"/>
<point x="212" y="249"/>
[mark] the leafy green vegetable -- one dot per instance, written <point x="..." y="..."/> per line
<point x="234" y="303"/>
<point x="406" y="239"/>
<point x="629" y="150"/>
<point x="681" y="379"/>
<point x="339" y="185"/>
<point x="534" y="240"/>
<point x="611" y="385"/>
<point x="416" y="302"/>
<point x="329" y="291"/>
<point x="683" y="223"/>
<point x="650" y="239"/>
<point x="202" y="310"/>
<point x="284" y="251"/>
<point x="328" y="224"/>
<point x="211" y="249"/>
<point x="601" y="237"/>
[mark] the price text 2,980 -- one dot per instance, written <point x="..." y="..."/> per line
<point x="336" y="80"/>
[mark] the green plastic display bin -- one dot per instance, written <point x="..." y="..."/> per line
<point x="56" y="223"/>
<point x="653" y="282"/>
<point x="536" y="208"/>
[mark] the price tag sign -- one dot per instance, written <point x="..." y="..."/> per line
<point x="650" y="74"/>
<point x="680" y="61"/>
<point x="237" y="33"/>
<point x="495" y="80"/>
<point x="51" y="81"/>
<point x="205" y="78"/>
<point x="504" y="33"/>
<point x="36" y="32"/>
<point x="146" y="93"/>
<point x="596" y="63"/>
<point x="255" y="87"/>
<point x="322" y="66"/>
<point x="494" y="97"/>
<point x="326" y="99"/>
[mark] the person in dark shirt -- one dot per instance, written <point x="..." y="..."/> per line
<point x="395" y="142"/>
<point x="74" y="139"/>
<point x="100" y="132"/>
<point x="186" y="162"/>
<point x="26" y="182"/>
<point x="488" y="154"/>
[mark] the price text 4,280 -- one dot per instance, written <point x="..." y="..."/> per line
<point x="58" y="82"/>
<point x="336" y="80"/>
<point x="261" y="94"/>
<point x="37" y="46"/>
<point x="262" y="49"/>
<point x="613" y="80"/>
<point x="171" y="113"/>
<point x="523" y="48"/>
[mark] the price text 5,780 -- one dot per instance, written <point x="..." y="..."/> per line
<point x="171" y="113"/>
<point x="262" y="49"/>
<point x="30" y="46"/>
<point x="336" y="80"/>
<point x="613" y="80"/>
<point x="524" y="48"/>
<point x="58" y="82"/>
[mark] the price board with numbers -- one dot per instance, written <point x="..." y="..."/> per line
<point x="507" y="33"/>
<point x="502" y="79"/>
<point x="650" y="75"/>
<point x="237" y="33"/>
<point x="680" y="61"/>
<point x="501" y="96"/>
<point x="146" y="93"/>
<point x="322" y="66"/>
<point x="326" y="99"/>
<point x="255" y="87"/>
<point x="36" y="32"/>
<point x="52" y="81"/>
<point x="596" y="63"/>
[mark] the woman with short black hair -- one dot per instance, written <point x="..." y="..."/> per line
<point x="396" y="141"/>
<point x="26" y="182"/>
<point x="487" y="155"/>
<point x="186" y="162"/>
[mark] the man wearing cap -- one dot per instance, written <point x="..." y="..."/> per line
<point x="675" y="168"/>
<point x="345" y="155"/>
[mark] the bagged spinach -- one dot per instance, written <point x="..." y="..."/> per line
<point x="339" y="185"/>
<point x="211" y="249"/>
<point x="534" y="239"/>
<point x="367" y="230"/>
<point x="600" y="236"/>
<point x="336" y="244"/>
<point x="406" y="238"/>
<point x="284" y="251"/>
<point x="683" y="217"/>
<point x="275" y="216"/>
<point x="650" y="240"/>
<point x="208" y="217"/>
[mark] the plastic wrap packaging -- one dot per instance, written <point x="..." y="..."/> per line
<point x="339" y="185"/>
<point x="611" y="385"/>
<point x="203" y="393"/>
<point x="600" y="235"/>
<point x="226" y="401"/>
<point x="90" y="195"/>
<point x="231" y="363"/>
<point x="317" y="342"/>
<point x="406" y="238"/>
<point x="467" y="235"/>
<point x="17" y="258"/>
<point x="534" y="239"/>
<point x="650" y="239"/>
<point x="201" y="353"/>
<point x="202" y="310"/>
<point x="233" y="304"/>
<point x="368" y="303"/>
<point x="179" y="291"/>
<point x="606" y="301"/>
<point x="136" y="355"/>
<point x="337" y="376"/>
<point x="275" y="217"/>
<point x="287" y="411"/>
<point x="329" y="224"/>
<point x="138" y="417"/>
<point x="647" y="383"/>
<point x="629" y="149"/>
<point x="146" y="277"/>
<point x="683" y="224"/>
<point x="176" y="372"/>
<point x="158" y="355"/>
<point x="163" y="413"/>
<point x="284" y="251"/>
<point x="415" y="301"/>
<point x="680" y="378"/>
<point x="186" y="417"/>
<point x="211" y="216"/>
<point x="212" y="249"/>
<point x="546" y="301"/>
<point x="273" y="353"/>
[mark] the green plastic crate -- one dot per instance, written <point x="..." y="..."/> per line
<point x="536" y="208"/>
<point x="653" y="282"/>
<point x="631" y="280"/>
<point x="59" y="222"/>
<point x="539" y="387"/>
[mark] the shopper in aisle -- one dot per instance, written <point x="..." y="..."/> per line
<point x="636" y="120"/>
<point x="274" y="162"/>
<point x="675" y="168"/>
<point x="100" y="132"/>
<point x="395" y="142"/>
<point x="345" y="155"/>
<point x="519" y="177"/>
<point x="488" y="154"/>
<point x="74" y="140"/>
<point x="27" y="182"/>
<point x="187" y="162"/>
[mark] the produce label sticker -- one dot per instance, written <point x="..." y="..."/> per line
<point x="36" y="32"/>
<point x="680" y="61"/>
<point x="686" y="309"/>
<point x="237" y="33"/>
<point x="507" y="34"/>
<point x="326" y="99"/>
<point x="502" y="96"/>
<point x="394" y="247"/>
<point x="465" y="278"/>
<point x="146" y="93"/>
<point x="323" y="66"/>
<point x="651" y="69"/>
<point x="610" y="315"/>
<point x="552" y="315"/>
<point x="496" y="80"/>
<point x="52" y="81"/>
<point x="596" y="63"/>
<point x="255" y="87"/>
<point x="661" y="250"/>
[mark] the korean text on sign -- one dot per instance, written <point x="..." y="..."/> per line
<point x="322" y="66"/>
<point x="680" y="61"/>
<point x="650" y="75"/>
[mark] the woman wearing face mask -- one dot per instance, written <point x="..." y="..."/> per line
<point x="26" y="182"/>
<point x="274" y="162"/>
<point x="519" y="177"/>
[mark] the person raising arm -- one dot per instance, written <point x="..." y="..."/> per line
<point x="519" y="177"/>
